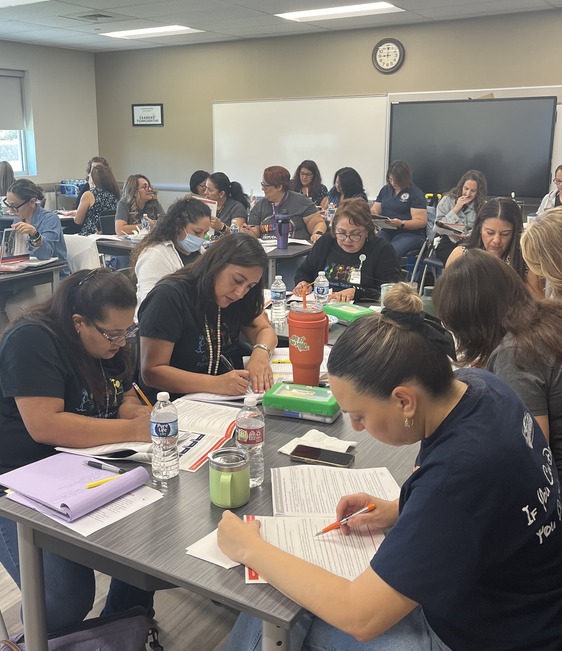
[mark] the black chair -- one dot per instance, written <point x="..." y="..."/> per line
<point x="107" y="224"/>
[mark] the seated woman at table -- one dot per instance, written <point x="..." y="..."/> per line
<point x="404" y="203"/>
<point x="100" y="199"/>
<point x="198" y="182"/>
<point x="348" y="184"/>
<point x="175" y="241"/>
<point x="232" y="204"/>
<point x="473" y="557"/>
<point x="500" y="327"/>
<point x="190" y="323"/>
<point x="355" y="260"/>
<point x="6" y="177"/>
<point x="95" y="160"/>
<point x="306" y="220"/>
<point x="497" y="230"/>
<point x="552" y="199"/>
<point x="308" y="181"/>
<point x="65" y="379"/>
<point x="137" y="199"/>
<point x="541" y="246"/>
<point x="460" y="206"/>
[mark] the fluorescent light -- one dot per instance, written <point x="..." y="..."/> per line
<point x="16" y="3"/>
<point x="349" y="11"/>
<point x="149" y="32"/>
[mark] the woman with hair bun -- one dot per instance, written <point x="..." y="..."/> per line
<point x="472" y="560"/>
<point x="232" y="204"/>
<point x="541" y="246"/>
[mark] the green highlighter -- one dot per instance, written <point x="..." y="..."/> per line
<point x="346" y="313"/>
<point x="299" y="401"/>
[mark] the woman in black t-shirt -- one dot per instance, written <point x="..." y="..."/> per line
<point x="65" y="380"/>
<point x="190" y="323"/>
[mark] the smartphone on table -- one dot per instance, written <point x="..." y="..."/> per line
<point x="309" y="454"/>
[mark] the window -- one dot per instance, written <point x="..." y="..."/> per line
<point x="13" y="141"/>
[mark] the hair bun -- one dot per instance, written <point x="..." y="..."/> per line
<point x="403" y="298"/>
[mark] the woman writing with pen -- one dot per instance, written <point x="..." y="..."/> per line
<point x="65" y="380"/>
<point x="192" y="320"/>
<point x="472" y="560"/>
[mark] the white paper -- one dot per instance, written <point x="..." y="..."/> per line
<point x="272" y="243"/>
<point x="346" y="556"/>
<point x="317" y="439"/>
<point x="106" y="515"/>
<point x="316" y="490"/>
<point x="207" y="549"/>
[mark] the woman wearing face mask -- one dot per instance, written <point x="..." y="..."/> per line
<point x="191" y="321"/>
<point x="175" y="241"/>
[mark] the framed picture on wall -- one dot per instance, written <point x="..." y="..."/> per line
<point x="148" y="115"/>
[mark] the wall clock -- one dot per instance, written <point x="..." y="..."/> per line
<point x="388" y="55"/>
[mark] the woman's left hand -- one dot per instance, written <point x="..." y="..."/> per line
<point x="315" y="237"/>
<point x="345" y="296"/>
<point x="216" y="224"/>
<point x="395" y="222"/>
<point x="261" y="375"/>
<point x="234" y="536"/>
<point x="24" y="227"/>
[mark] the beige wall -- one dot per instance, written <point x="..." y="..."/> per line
<point x="61" y="89"/>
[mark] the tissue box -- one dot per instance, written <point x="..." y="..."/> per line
<point x="346" y="313"/>
<point x="299" y="401"/>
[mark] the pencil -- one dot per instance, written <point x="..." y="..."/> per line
<point x="141" y="394"/>
<point x="100" y="482"/>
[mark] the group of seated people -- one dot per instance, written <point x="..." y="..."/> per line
<point x="472" y="559"/>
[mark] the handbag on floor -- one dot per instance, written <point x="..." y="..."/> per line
<point x="128" y="631"/>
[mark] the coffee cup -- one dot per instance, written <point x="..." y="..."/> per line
<point x="229" y="477"/>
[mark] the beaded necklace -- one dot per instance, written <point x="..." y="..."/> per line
<point x="105" y="383"/>
<point x="213" y="359"/>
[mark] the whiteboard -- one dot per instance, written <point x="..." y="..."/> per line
<point x="335" y="132"/>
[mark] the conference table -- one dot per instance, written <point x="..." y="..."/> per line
<point x="123" y="247"/>
<point x="19" y="280"/>
<point x="147" y="548"/>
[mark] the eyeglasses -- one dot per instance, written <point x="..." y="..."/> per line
<point x="555" y="181"/>
<point x="353" y="237"/>
<point x="145" y="186"/>
<point x="14" y="208"/>
<point x="306" y="174"/>
<point x="266" y="185"/>
<point x="114" y="339"/>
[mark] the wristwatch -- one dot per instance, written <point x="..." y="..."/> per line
<point x="319" y="232"/>
<point x="402" y="225"/>
<point x="223" y="228"/>
<point x="263" y="347"/>
<point x="34" y="239"/>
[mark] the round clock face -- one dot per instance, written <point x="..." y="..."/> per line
<point x="388" y="55"/>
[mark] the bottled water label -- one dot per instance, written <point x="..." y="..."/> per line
<point x="321" y="290"/>
<point x="164" y="430"/>
<point x="250" y="436"/>
<point x="278" y="294"/>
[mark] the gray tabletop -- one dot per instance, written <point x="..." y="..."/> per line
<point x="148" y="547"/>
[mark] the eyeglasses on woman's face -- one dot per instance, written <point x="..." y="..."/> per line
<point x="555" y="181"/>
<point x="306" y="175"/>
<point x="341" y="236"/>
<point x="265" y="185"/>
<point x="13" y="208"/>
<point x="129" y="334"/>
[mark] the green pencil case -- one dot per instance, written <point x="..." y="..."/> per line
<point x="346" y="312"/>
<point x="299" y="401"/>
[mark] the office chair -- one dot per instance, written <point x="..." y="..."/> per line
<point x="107" y="224"/>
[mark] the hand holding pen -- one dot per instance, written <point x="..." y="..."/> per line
<point x="344" y="521"/>
<point x="383" y="515"/>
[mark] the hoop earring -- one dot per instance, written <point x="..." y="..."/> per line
<point x="408" y="423"/>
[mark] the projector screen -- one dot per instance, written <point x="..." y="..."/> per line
<point x="509" y="140"/>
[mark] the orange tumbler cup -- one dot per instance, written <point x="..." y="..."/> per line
<point x="308" y="333"/>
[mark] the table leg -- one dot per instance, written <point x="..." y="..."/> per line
<point x="274" y="637"/>
<point x="271" y="271"/>
<point x="55" y="282"/>
<point x="32" y="590"/>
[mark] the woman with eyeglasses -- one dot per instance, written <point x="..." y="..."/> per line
<point x="198" y="182"/>
<point x="137" y="199"/>
<point x="65" y="380"/>
<point x="175" y="241"/>
<point x="190" y="323"/>
<point x="308" y="181"/>
<point x="356" y="262"/>
<point x="306" y="222"/>
<point x="552" y="199"/>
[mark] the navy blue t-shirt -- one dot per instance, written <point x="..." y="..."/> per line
<point x="399" y="205"/>
<point x="478" y="542"/>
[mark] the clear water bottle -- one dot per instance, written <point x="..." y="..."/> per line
<point x="164" y="434"/>
<point x="330" y="213"/>
<point x="278" y="301"/>
<point x="145" y="223"/>
<point x="250" y="436"/>
<point x="321" y="289"/>
<point x="234" y="228"/>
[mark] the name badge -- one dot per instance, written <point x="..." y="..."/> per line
<point x="355" y="276"/>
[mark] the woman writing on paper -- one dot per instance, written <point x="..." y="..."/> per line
<point x="175" y="241"/>
<point x="65" y="380"/>
<point x="473" y="557"/>
<point x="190" y="323"/>
<point x="356" y="262"/>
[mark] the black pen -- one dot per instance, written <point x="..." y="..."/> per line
<point x="227" y="363"/>
<point x="105" y="466"/>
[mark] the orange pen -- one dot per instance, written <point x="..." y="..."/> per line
<point x="337" y="525"/>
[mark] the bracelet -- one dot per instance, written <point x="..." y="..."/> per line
<point x="263" y="347"/>
<point x="34" y="239"/>
<point x="223" y="228"/>
<point x="402" y="225"/>
<point x="319" y="232"/>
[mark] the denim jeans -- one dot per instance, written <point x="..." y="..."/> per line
<point x="402" y="241"/>
<point x="69" y="587"/>
<point x="312" y="634"/>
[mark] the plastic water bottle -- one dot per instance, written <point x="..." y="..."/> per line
<point x="278" y="301"/>
<point x="164" y="434"/>
<point x="234" y="228"/>
<point x="145" y="223"/>
<point x="321" y="289"/>
<point x="330" y="213"/>
<point x="250" y="436"/>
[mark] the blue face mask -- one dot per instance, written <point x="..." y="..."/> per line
<point x="191" y="243"/>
